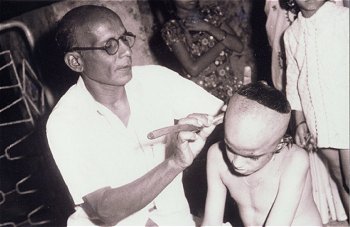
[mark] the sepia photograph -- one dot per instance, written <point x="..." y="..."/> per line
<point x="174" y="113"/>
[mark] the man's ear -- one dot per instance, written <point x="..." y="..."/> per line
<point x="73" y="61"/>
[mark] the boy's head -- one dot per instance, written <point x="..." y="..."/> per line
<point x="256" y="120"/>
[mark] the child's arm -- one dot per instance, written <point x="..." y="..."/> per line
<point x="290" y="190"/>
<point x="216" y="195"/>
<point x="301" y="129"/>
<point x="224" y="33"/>
<point x="195" y="66"/>
<point x="293" y="72"/>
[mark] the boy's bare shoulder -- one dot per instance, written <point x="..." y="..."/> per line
<point x="215" y="151"/>
<point x="296" y="157"/>
<point x="215" y="154"/>
<point x="297" y="152"/>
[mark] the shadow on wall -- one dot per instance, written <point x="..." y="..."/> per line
<point x="31" y="188"/>
<point x="34" y="170"/>
<point x="56" y="74"/>
<point x="158" y="10"/>
<point x="259" y="42"/>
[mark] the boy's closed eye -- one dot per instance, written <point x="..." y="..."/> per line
<point x="255" y="158"/>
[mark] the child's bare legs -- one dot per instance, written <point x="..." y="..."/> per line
<point x="345" y="164"/>
<point x="335" y="161"/>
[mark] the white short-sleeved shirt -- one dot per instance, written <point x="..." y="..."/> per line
<point x="93" y="149"/>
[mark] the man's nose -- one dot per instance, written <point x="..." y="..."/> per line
<point x="124" y="49"/>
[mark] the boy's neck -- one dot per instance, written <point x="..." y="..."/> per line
<point x="254" y="180"/>
<point x="270" y="168"/>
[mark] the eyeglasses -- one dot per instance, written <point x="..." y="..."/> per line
<point x="112" y="45"/>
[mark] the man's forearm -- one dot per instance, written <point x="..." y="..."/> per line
<point x="112" y="205"/>
<point x="117" y="203"/>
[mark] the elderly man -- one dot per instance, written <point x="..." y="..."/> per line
<point x="98" y="130"/>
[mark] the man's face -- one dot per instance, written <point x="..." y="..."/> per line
<point x="99" y="66"/>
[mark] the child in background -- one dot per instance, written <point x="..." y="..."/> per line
<point x="280" y="15"/>
<point x="278" y="20"/>
<point x="317" y="52"/>
<point x="265" y="174"/>
<point x="203" y="42"/>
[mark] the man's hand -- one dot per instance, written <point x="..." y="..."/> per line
<point x="186" y="145"/>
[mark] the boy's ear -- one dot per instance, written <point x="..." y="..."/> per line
<point x="73" y="61"/>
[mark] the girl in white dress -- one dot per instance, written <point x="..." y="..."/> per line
<point x="317" y="52"/>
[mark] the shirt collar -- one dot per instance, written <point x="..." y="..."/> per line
<point x="101" y="109"/>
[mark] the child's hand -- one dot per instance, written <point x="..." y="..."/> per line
<point x="310" y="143"/>
<point x="301" y="135"/>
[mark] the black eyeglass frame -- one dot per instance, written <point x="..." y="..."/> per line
<point x="105" y="47"/>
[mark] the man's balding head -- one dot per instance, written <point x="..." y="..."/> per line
<point x="80" y="18"/>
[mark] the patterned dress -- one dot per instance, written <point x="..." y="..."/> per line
<point x="218" y="78"/>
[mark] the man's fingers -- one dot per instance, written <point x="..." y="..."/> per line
<point x="197" y="120"/>
<point x="204" y="119"/>
<point x="206" y="131"/>
<point x="190" y="136"/>
<point x="223" y="108"/>
<point x="187" y="136"/>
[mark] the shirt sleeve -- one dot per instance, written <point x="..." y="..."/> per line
<point x="68" y="144"/>
<point x="292" y="71"/>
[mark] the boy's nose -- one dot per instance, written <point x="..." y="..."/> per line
<point x="238" y="162"/>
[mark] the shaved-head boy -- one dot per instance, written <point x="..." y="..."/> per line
<point x="265" y="174"/>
